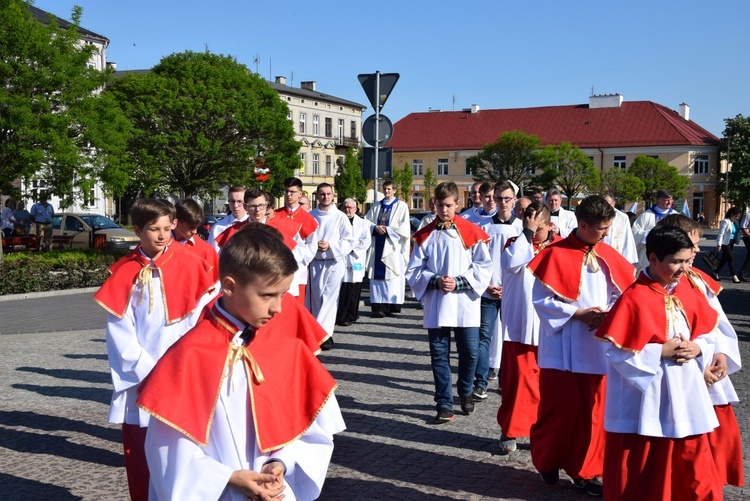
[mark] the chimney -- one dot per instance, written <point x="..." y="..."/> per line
<point x="685" y="111"/>
<point x="474" y="108"/>
<point x="308" y="85"/>
<point x="605" y="101"/>
<point x="281" y="80"/>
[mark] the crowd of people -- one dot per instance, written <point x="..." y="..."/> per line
<point x="612" y="350"/>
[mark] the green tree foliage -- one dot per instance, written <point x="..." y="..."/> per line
<point x="430" y="181"/>
<point x="203" y="119"/>
<point x="656" y="174"/>
<point x="349" y="182"/>
<point x="514" y="156"/>
<point x="54" y="125"/>
<point x="621" y="184"/>
<point x="403" y="178"/>
<point x="735" y="148"/>
<point x="574" y="172"/>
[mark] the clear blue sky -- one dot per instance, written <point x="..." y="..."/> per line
<point x="494" y="53"/>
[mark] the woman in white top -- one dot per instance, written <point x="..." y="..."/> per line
<point x="725" y="243"/>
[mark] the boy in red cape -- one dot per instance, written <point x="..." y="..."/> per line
<point x="577" y="280"/>
<point x="658" y="411"/>
<point x="154" y="295"/>
<point x="241" y="408"/>
<point x="189" y="216"/>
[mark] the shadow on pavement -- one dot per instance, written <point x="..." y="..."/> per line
<point x="16" y="489"/>
<point x="60" y="446"/>
<point x="101" y="395"/>
<point x="73" y="375"/>
<point x="43" y="422"/>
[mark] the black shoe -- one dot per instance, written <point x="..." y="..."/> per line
<point x="492" y="375"/>
<point x="467" y="404"/>
<point x="327" y="344"/>
<point x="378" y="314"/>
<point x="550" y="477"/>
<point x="443" y="415"/>
<point x="715" y="276"/>
<point x="344" y="324"/>
<point x="593" y="487"/>
<point x="479" y="394"/>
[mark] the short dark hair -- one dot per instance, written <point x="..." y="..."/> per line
<point x="189" y="211"/>
<point x="323" y="185"/>
<point x="446" y="189"/>
<point x="537" y="208"/>
<point x="484" y="188"/>
<point x="504" y="185"/>
<point x="663" y="194"/>
<point x="733" y="211"/>
<point x="293" y="181"/>
<point x="389" y="183"/>
<point x="681" y="221"/>
<point x="270" y="200"/>
<point x="252" y="193"/>
<point x="665" y="240"/>
<point x="147" y="210"/>
<point x="594" y="209"/>
<point x="257" y="251"/>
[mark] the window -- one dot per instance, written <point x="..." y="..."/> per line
<point x="290" y="116"/>
<point x="341" y="128"/>
<point x="620" y="162"/>
<point x="442" y="167"/>
<point x="353" y="130"/>
<point x="302" y="118"/>
<point x="39" y="188"/>
<point x="417" y="200"/>
<point x="329" y="127"/>
<point x="89" y="197"/>
<point x="303" y="161"/>
<point x="329" y="165"/>
<point x="467" y="169"/>
<point x="700" y="164"/>
<point x="316" y="164"/>
<point x="417" y="166"/>
<point x="316" y="125"/>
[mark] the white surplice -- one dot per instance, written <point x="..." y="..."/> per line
<point x="620" y="237"/>
<point x="520" y="321"/>
<point x="566" y="222"/>
<point x="219" y="227"/>
<point x="395" y="254"/>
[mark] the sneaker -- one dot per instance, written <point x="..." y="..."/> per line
<point x="593" y="487"/>
<point x="492" y="375"/>
<point x="508" y="444"/>
<point x="479" y="394"/>
<point x="443" y="415"/>
<point x="467" y="404"/>
<point x="550" y="477"/>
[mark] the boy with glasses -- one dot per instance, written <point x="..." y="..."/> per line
<point x="238" y="214"/>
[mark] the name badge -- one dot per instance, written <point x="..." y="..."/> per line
<point x="357" y="266"/>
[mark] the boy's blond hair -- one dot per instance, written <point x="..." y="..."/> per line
<point x="146" y="211"/>
<point x="256" y="251"/>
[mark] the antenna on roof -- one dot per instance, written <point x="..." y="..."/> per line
<point x="292" y="79"/>
<point x="454" y="102"/>
<point x="592" y="91"/>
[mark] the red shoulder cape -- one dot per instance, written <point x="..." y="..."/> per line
<point x="558" y="266"/>
<point x="223" y="237"/>
<point x="468" y="232"/>
<point x="309" y="224"/>
<point x="287" y="391"/>
<point x="537" y="247"/>
<point x="694" y="274"/>
<point x="184" y="278"/>
<point x="288" y="227"/>
<point x="639" y="316"/>
<point x="205" y="251"/>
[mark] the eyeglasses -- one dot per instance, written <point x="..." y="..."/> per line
<point x="256" y="207"/>
<point x="503" y="199"/>
<point x="236" y="202"/>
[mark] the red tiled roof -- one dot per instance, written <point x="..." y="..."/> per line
<point x="633" y="124"/>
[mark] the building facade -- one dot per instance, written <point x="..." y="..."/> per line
<point x="609" y="130"/>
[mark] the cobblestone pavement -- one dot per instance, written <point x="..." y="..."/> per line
<point x="55" y="389"/>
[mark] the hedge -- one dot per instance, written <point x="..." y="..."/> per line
<point x="23" y="272"/>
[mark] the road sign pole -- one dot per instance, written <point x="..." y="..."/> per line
<point x="377" y="137"/>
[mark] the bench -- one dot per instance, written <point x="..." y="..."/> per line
<point x="15" y="244"/>
<point x="62" y="241"/>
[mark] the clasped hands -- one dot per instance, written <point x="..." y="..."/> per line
<point x="264" y="486"/>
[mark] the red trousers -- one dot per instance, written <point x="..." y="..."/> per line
<point x="519" y="382"/>
<point x="726" y="447"/>
<point x="569" y="431"/>
<point x="657" y="468"/>
<point x="136" y="468"/>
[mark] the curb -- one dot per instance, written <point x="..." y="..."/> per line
<point x="34" y="295"/>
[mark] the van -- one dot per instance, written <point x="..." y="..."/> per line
<point x="92" y="231"/>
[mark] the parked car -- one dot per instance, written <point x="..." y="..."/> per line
<point x="416" y="218"/>
<point x="205" y="228"/>
<point x="91" y="231"/>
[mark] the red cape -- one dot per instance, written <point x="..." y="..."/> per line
<point x="639" y="316"/>
<point x="301" y="216"/>
<point x="468" y="232"/>
<point x="288" y="227"/>
<point x="558" y="266"/>
<point x="205" y="251"/>
<point x="694" y="274"/>
<point x="223" y="237"/>
<point x="184" y="278"/>
<point x="287" y="391"/>
<point x="537" y="247"/>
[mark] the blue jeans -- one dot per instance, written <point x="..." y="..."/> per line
<point x="490" y="309"/>
<point x="467" y="342"/>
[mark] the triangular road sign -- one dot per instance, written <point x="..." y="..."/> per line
<point x="369" y="84"/>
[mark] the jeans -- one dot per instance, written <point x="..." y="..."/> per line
<point x="490" y="309"/>
<point x="467" y="342"/>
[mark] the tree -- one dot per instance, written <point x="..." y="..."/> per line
<point x="430" y="181"/>
<point x="735" y="149"/>
<point x="403" y="178"/>
<point x="621" y="185"/>
<point x="657" y="174"/>
<point x="573" y="171"/>
<point x="514" y="156"/>
<point x="54" y="124"/>
<point x="349" y="182"/>
<point x="203" y="119"/>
